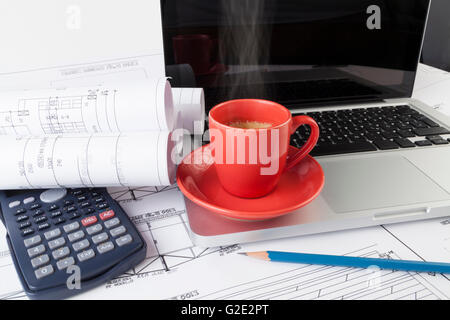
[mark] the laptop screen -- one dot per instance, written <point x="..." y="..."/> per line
<point x="296" y="52"/>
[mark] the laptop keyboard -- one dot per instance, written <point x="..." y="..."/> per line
<point x="371" y="129"/>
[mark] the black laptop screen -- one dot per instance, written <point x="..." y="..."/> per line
<point x="297" y="52"/>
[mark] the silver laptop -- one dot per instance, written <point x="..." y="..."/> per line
<point x="349" y="64"/>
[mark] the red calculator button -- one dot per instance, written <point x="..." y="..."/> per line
<point x="105" y="215"/>
<point x="88" y="221"/>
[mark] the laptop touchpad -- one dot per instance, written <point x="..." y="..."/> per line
<point x="376" y="182"/>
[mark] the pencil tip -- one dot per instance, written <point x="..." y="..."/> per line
<point x="242" y="253"/>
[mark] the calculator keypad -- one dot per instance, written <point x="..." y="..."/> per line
<point x="65" y="231"/>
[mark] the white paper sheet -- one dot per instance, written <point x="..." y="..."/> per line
<point x="190" y="102"/>
<point x="87" y="160"/>
<point x="176" y="269"/>
<point x="144" y="105"/>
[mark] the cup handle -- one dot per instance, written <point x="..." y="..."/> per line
<point x="309" y="145"/>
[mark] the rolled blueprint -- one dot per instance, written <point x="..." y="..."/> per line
<point x="146" y="105"/>
<point x="97" y="160"/>
<point x="191" y="103"/>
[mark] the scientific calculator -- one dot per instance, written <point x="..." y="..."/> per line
<point x="66" y="241"/>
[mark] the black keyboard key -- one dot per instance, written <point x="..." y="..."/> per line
<point x="423" y="143"/>
<point x="404" y="143"/>
<point x="430" y="131"/>
<point x="429" y="122"/>
<point x="343" y="148"/>
<point x="385" y="144"/>
<point x="439" y="141"/>
<point x="406" y="133"/>
<point x="434" y="138"/>
<point x="390" y="135"/>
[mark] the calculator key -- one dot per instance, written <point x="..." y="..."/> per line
<point x="24" y="225"/>
<point x="94" y="229"/>
<point x="95" y="194"/>
<point x="80" y="245"/>
<point x="102" y="237"/>
<point x="82" y="198"/>
<point x="61" y="253"/>
<point x="56" y="213"/>
<point x="13" y="204"/>
<point x="32" y="241"/>
<point x="77" y="192"/>
<point x="27" y="231"/>
<point x="102" y="205"/>
<point x="86" y="255"/>
<point x="35" y="206"/>
<point x="22" y="218"/>
<point x="64" y="263"/>
<point x="124" y="240"/>
<point x="118" y="231"/>
<point x="71" y="226"/>
<point x="36" y="251"/>
<point x="43" y="226"/>
<point x="38" y="212"/>
<point x="85" y="204"/>
<point x="52" y="234"/>
<point x="70" y="208"/>
<point x="52" y="195"/>
<point x="89" y="221"/>
<point x="68" y="202"/>
<point x="87" y="211"/>
<point x="44" y="271"/>
<point x="21" y="211"/>
<point x="59" y="221"/>
<point x="105" y="215"/>
<point x="53" y="207"/>
<point x="105" y="247"/>
<point x="112" y="223"/>
<point x="40" y="261"/>
<point x="28" y="200"/>
<point x="57" y="243"/>
<point x="74" y="215"/>
<point x="100" y="199"/>
<point x="40" y="219"/>
<point x="76" y="236"/>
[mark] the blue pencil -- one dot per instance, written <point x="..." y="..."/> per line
<point x="355" y="262"/>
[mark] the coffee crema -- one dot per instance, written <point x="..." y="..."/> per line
<point x="247" y="124"/>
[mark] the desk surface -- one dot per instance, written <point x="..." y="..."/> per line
<point x="175" y="268"/>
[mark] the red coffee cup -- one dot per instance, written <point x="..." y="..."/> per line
<point x="250" y="162"/>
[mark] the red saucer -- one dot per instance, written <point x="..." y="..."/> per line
<point x="197" y="179"/>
